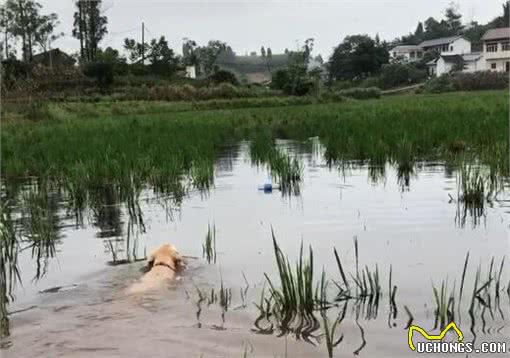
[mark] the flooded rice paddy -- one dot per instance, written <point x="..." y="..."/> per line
<point x="412" y="222"/>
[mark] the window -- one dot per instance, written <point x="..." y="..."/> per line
<point x="420" y="54"/>
<point x="507" y="66"/>
<point x="505" y="46"/>
<point x="451" y="48"/>
<point x="394" y="54"/>
<point x="444" y="48"/>
<point x="412" y="54"/>
<point x="491" y="47"/>
<point x="493" y="66"/>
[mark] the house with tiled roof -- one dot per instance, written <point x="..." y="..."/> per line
<point x="406" y="53"/>
<point x="496" y="49"/>
<point x="452" y="45"/>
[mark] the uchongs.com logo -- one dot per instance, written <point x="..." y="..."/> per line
<point x="435" y="344"/>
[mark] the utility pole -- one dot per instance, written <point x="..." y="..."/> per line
<point x="143" y="43"/>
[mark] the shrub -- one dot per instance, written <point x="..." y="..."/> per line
<point x="467" y="81"/>
<point x="341" y="85"/>
<point x="103" y="72"/>
<point x="361" y="93"/>
<point x="280" y="79"/>
<point x="12" y="71"/>
<point x="396" y="74"/>
<point x="485" y="80"/>
<point x="224" y="76"/>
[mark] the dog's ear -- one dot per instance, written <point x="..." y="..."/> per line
<point x="150" y="260"/>
<point x="179" y="263"/>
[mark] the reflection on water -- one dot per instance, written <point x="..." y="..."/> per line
<point x="409" y="215"/>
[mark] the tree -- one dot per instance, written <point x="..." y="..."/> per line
<point x="135" y="49"/>
<point x="189" y="55"/>
<point x="269" y="54"/>
<point x="8" y="38"/>
<point x="112" y="56"/>
<point x="89" y="27"/>
<point x="23" y="20"/>
<point x="262" y="52"/>
<point x="453" y="19"/>
<point x="296" y="79"/>
<point x="207" y="55"/>
<point x="46" y="31"/>
<point x="502" y="21"/>
<point x="357" y="56"/>
<point x="418" y="33"/>
<point x="161" y="57"/>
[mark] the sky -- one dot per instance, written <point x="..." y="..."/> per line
<point x="246" y="25"/>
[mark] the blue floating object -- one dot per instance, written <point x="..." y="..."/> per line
<point x="268" y="187"/>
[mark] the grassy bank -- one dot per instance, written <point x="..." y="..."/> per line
<point x="137" y="138"/>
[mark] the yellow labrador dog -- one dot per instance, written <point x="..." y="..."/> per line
<point x="163" y="264"/>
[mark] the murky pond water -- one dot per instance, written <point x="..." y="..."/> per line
<point x="410" y="222"/>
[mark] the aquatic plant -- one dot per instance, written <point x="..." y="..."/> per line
<point x="445" y="305"/>
<point x="293" y="300"/>
<point x="209" y="246"/>
<point x="9" y="271"/>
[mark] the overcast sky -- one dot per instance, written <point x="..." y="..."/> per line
<point x="247" y="25"/>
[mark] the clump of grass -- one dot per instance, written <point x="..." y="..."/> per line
<point x="202" y="175"/>
<point x="445" y="305"/>
<point x="474" y="188"/>
<point x="330" y="330"/>
<point x="9" y="273"/>
<point x="366" y="281"/>
<point x="40" y="226"/>
<point x="292" y="302"/>
<point x="209" y="246"/>
<point x="288" y="171"/>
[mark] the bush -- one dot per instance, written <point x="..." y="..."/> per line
<point x="361" y="93"/>
<point x="12" y="71"/>
<point x="280" y="79"/>
<point x="395" y="74"/>
<point x="224" y="76"/>
<point x="438" y="85"/>
<point x="467" y="81"/>
<point x="485" y="80"/>
<point x="103" y="72"/>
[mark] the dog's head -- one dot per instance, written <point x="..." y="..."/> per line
<point x="166" y="255"/>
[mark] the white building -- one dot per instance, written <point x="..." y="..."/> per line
<point x="406" y="53"/>
<point x="468" y="62"/>
<point x="191" y="72"/>
<point x="496" y="49"/>
<point x="453" y="45"/>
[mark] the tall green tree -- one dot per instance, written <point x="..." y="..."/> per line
<point x="356" y="57"/>
<point x="504" y="19"/>
<point x="262" y="52"/>
<point x="208" y="55"/>
<point x="162" y="59"/>
<point x="453" y="19"/>
<point x="89" y="27"/>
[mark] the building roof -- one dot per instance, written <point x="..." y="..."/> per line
<point x="495" y="34"/>
<point x="439" y="41"/>
<point x="406" y="48"/>
<point x="55" y="55"/>
<point x="473" y="56"/>
<point x="452" y="58"/>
